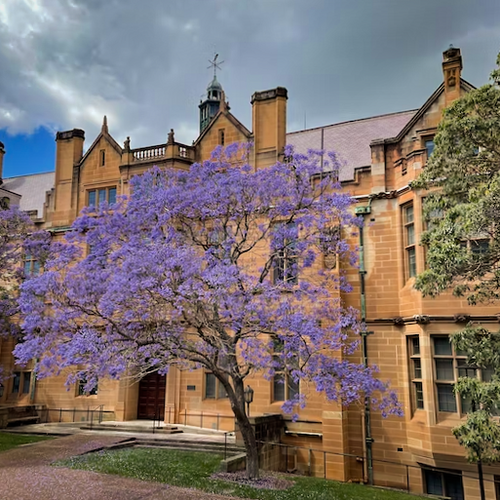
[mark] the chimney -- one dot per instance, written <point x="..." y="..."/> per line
<point x="269" y="125"/>
<point x="452" y="70"/>
<point x="2" y="152"/>
<point x="69" y="151"/>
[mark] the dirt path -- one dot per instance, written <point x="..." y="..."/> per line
<point x="25" y="474"/>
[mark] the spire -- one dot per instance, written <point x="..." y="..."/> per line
<point x="104" y="128"/>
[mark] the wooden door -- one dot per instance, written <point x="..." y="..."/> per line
<point x="152" y="396"/>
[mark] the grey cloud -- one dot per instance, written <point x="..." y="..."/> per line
<point x="143" y="63"/>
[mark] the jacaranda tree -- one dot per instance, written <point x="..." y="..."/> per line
<point x="219" y="267"/>
<point x="15" y="226"/>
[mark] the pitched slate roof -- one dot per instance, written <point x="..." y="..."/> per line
<point x="32" y="189"/>
<point x="351" y="140"/>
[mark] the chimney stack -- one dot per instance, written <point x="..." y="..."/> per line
<point x="452" y="71"/>
<point x="269" y="126"/>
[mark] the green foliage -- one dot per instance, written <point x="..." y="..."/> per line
<point x="193" y="470"/>
<point x="9" y="441"/>
<point x="480" y="433"/>
<point x="463" y="246"/>
<point x="480" y="436"/>
<point x="463" y="207"/>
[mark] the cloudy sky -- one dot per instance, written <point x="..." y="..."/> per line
<point x="143" y="63"/>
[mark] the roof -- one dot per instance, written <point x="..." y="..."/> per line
<point x="32" y="189"/>
<point x="351" y="140"/>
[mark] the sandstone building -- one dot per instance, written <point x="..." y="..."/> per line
<point x="408" y="335"/>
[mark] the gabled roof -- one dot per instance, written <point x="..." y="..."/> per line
<point x="350" y="140"/>
<point x="106" y="135"/>
<point x="463" y="84"/>
<point x="32" y="188"/>
<point x="231" y="118"/>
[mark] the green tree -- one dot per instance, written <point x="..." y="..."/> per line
<point x="463" y="250"/>
<point x="463" y="207"/>
<point x="480" y="433"/>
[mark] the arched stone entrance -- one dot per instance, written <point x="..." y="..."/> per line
<point x="151" y="401"/>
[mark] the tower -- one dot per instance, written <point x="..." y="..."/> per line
<point x="210" y="106"/>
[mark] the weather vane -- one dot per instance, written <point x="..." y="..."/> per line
<point x="214" y="64"/>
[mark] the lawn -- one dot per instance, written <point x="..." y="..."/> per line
<point x="8" y="441"/>
<point x="193" y="470"/>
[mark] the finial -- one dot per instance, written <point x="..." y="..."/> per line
<point x="170" y="139"/>
<point x="104" y="128"/>
<point x="214" y="64"/>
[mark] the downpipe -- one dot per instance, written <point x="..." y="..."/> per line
<point x="361" y="212"/>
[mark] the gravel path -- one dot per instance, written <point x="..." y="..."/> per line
<point x="25" y="474"/>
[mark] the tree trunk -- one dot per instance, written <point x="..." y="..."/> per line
<point x="481" y="479"/>
<point x="246" y="429"/>
<point x="248" y="435"/>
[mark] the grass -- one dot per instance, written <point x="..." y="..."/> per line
<point x="193" y="470"/>
<point x="9" y="441"/>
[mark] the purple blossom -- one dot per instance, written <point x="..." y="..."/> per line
<point x="186" y="272"/>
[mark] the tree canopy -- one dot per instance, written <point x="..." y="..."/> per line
<point x="463" y="207"/>
<point x="15" y="226"/>
<point x="463" y="251"/>
<point x="217" y="267"/>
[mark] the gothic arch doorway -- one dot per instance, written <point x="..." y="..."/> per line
<point x="151" y="401"/>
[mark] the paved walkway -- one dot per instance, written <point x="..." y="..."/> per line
<point x="26" y="474"/>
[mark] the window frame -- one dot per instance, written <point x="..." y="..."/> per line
<point x="410" y="248"/>
<point x="281" y="379"/>
<point x="219" y="389"/>
<point x="80" y="388"/>
<point x="453" y="475"/>
<point x="19" y="388"/>
<point x="31" y="266"/>
<point x="416" y="382"/>
<point x="97" y="191"/>
<point x="284" y="260"/>
<point x="458" y="364"/>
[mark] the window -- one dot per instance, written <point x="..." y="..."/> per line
<point x="450" y="365"/>
<point x="31" y="266"/>
<point x="213" y="387"/>
<point x="16" y="382"/>
<point x="285" y="260"/>
<point x="479" y="246"/>
<point x="98" y="196"/>
<point x="416" y="373"/>
<point x="409" y="241"/>
<point x="221" y="136"/>
<point x="447" y="484"/>
<point x="81" y="388"/>
<point x="102" y="157"/>
<point x="21" y="382"/>
<point x="284" y="387"/>
<point x="429" y="146"/>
